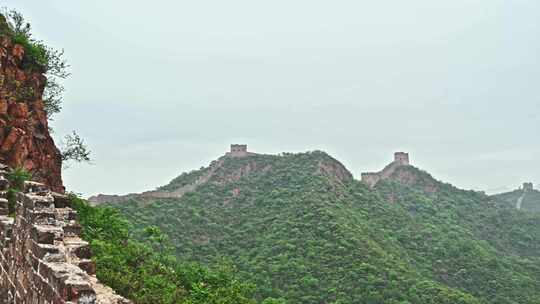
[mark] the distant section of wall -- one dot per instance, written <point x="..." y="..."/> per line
<point x="528" y="187"/>
<point x="372" y="178"/>
<point x="43" y="260"/>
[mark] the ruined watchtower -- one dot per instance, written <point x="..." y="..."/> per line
<point x="238" y="150"/>
<point x="372" y="178"/>
<point x="527" y="186"/>
<point x="401" y="158"/>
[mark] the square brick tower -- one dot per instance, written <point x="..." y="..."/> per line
<point x="527" y="186"/>
<point x="238" y="150"/>
<point x="401" y="158"/>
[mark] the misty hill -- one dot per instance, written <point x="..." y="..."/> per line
<point x="526" y="198"/>
<point x="302" y="229"/>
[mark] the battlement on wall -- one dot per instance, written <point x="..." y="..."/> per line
<point x="42" y="257"/>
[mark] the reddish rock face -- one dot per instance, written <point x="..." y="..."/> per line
<point x="18" y="51"/>
<point x="18" y="110"/>
<point x="3" y="107"/>
<point x="24" y="134"/>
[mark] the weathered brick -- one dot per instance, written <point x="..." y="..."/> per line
<point x="45" y="234"/>
<point x="72" y="229"/>
<point x="61" y="200"/>
<point x="81" y="250"/>
<point x="42" y="258"/>
<point x="88" y="266"/>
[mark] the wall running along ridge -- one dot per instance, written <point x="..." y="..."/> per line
<point x="372" y="178"/>
<point x="236" y="151"/>
<point x="43" y="260"/>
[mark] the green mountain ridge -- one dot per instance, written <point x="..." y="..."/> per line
<point x="302" y="229"/>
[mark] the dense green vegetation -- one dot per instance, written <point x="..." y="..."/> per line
<point x="12" y="23"/>
<point x="309" y="237"/>
<point x="146" y="271"/>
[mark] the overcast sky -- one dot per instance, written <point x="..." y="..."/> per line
<point x="161" y="87"/>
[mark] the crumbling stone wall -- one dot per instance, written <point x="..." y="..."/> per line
<point x="43" y="260"/>
<point x="372" y="178"/>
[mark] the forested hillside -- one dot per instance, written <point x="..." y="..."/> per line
<point x="303" y="230"/>
<point x="146" y="271"/>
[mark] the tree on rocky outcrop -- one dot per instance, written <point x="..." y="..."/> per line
<point x="42" y="58"/>
<point x="74" y="149"/>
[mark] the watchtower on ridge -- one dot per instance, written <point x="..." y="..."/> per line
<point x="528" y="186"/>
<point x="401" y="158"/>
<point x="238" y="150"/>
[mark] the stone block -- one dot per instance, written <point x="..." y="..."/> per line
<point x="42" y="217"/>
<point x="46" y="234"/>
<point x="40" y="250"/>
<point x="4" y="183"/>
<point x="35" y="187"/>
<point x="65" y="214"/>
<point x="72" y="229"/>
<point x="4" y="203"/>
<point x="80" y="249"/>
<point x="61" y="200"/>
<point x="88" y="266"/>
<point x="33" y="201"/>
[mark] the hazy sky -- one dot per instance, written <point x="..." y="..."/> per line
<point x="161" y="87"/>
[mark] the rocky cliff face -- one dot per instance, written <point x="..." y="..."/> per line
<point x="24" y="134"/>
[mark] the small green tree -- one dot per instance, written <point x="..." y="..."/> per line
<point x="16" y="178"/>
<point x="40" y="57"/>
<point x="74" y="149"/>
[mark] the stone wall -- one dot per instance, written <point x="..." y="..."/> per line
<point x="43" y="260"/>
<point x="372" y="178"/>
